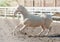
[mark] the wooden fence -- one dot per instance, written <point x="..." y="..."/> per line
<point x="9" y="11"/>
<point x="40" y="3"/>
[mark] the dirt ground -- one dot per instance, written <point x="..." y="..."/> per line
<point x="8" y="25"/>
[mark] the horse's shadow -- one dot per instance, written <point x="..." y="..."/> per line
<point x="49" y="36"/>
<point x="54" y="35"/>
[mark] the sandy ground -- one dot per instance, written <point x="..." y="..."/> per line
<point x="8" y="25"/>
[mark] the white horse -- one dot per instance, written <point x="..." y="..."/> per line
<point x="31" y="20"/>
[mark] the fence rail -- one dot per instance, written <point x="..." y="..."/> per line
<point x="9" y="11"/>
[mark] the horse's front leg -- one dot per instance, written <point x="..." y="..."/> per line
<point x="19" y="25"/>
<point x="24" y="26"/>
<point x="17" y="28"/>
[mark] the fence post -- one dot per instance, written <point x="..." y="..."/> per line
<point x="54" y="3"/>
<point x="5" y="13"/>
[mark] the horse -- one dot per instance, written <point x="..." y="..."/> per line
<point x="31" y="20"/>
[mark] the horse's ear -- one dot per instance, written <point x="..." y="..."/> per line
<point x="19" y="6"/>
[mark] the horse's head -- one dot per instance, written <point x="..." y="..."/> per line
<point x="20" y="9"/>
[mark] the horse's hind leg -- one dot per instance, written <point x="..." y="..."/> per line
<point x="40" y="33"/>
<point x="48" y="30"/>
<point x="44" y="30"/>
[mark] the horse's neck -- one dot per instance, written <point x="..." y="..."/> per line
<point x="25" y="14"/>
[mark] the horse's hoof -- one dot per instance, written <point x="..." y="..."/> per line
<point x="29" y="36"/>
<point x="25" y="33"/>
<point x="50" y="28"/>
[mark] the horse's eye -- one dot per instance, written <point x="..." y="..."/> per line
<point x="19" y="13"/>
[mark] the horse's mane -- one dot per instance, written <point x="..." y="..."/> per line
<point x="22" y="9"/>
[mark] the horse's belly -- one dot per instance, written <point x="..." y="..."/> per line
<point x="36" y="24"/>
